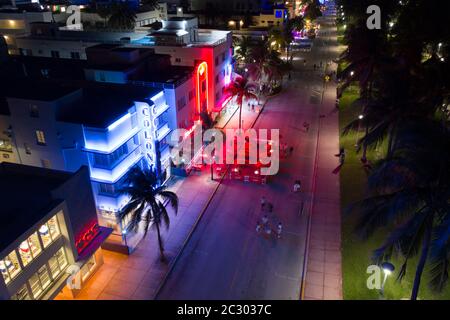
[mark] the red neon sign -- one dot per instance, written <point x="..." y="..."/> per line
<point x="202" y="75"/>
<point x="86" y="236"/>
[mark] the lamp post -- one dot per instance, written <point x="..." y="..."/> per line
<point x="388" y="268"/>
<point x="360" y="117"/>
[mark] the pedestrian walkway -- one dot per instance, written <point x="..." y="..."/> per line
<point x="324" y="268"/>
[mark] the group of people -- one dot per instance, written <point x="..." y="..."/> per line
<point x="264" y="225"/>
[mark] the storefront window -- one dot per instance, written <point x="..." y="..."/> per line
<point x="22" y="294"/>
<point x="45" y="235"/>
<point x="88" y="267"/>
<point x="10" y="267"/>
<point x="35" y="285"/>
<point x="29" y="249"/>
<point x="53" y="227"/>
<point x="61" y="257"/>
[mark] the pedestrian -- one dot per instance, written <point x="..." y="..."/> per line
<point x="289" y="76"/>
<point x="263" y="202"/>
<point x="321" y="64"/>
<point x="337" y="104"/>
<point x="314" y="66"/>
<point x="258" y="227"/>
<point x="304" y="62"/>
<point x="265" y="220"/>
<point x="306" y="126"/>
<point x="297" y="185"/>
<point x="279" y="229"/>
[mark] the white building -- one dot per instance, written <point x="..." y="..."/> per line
<point x="109" y="128"/>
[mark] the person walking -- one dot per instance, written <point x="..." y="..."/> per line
<point x="297" y="185"/>
<point x="263" y="202"/>
<point x="279" y="230"/>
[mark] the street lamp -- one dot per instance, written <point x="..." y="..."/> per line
<point x="352" y="73"/>
<point x="360" y="117"/>
<point x="388" y="268"/>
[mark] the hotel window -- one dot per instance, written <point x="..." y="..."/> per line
<point x="10" y="267"/>
<point x="216" y="61"/>
<point x="34" y="111"/>
<point x="40" y="138"/>
<point x="29" y="249"/>
<point x="54" y="53"/>
<point x="107" y="188"/>
<point x="22" y="294"/>
<point x="177" y="60"/>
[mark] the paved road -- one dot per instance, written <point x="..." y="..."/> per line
<point x="226" y="258"/>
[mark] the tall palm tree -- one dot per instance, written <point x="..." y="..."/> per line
<point x="146" y="203"/>
<point x="241" y="89"/>
<point x="411" y="193"/>
<point x="242" y="49"/>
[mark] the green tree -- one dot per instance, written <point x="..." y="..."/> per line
<point x="146" y="206"/>
<point x="410" y="191"/>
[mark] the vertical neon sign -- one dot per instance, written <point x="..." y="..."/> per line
<point x="202" y="75"/>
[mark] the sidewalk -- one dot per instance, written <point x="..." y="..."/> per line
<point x="139" y="275"/>
<point x="324" y="270"/>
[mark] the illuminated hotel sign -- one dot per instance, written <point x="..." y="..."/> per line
<point x="202" y="86"/>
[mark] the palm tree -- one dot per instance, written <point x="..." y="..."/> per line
<point x="122" y="17"/>
<point x="146" y="203"/>
<point x="242" y="49"/>
<point x="241" y="89"/>
<point x="411" y="192"/>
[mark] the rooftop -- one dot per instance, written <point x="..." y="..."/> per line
<point x="37" y="90"/>
<point x="25" y="195"/>
<point x="172" y="76"/>
<point x="102" y="104"/>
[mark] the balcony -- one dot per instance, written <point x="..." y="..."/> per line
<point x="163" y="131"/>
<point x="115" y="173"/>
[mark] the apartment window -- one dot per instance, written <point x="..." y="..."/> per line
<point x="75" y="55"/>
<point x="54" y="53"/>
<point x="34" y="111"/>
<point x="40" y="138"/>
<point x="10" y="267"/>
<point x="181" y="103"/>
<point x="46" y="163"/>
<point x="27" y="148"/>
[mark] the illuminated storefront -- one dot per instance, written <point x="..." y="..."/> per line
<point x="36" y="255"/>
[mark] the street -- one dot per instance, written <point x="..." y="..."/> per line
<point x="226" y="258"/>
